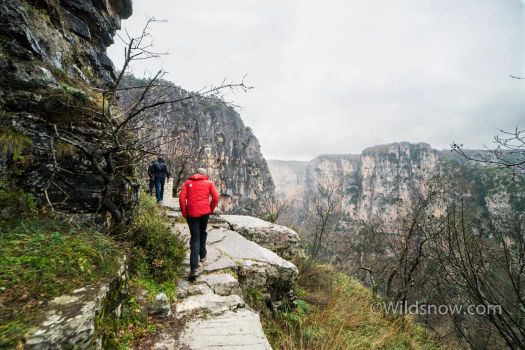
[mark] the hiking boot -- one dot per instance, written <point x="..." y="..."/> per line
<point x="203" y="259"/>
<point x="193" y="275"/>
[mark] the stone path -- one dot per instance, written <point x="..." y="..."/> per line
<point x="217" y="315"/>
<point x="170" y="201"/>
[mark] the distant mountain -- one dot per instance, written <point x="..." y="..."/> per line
<point x="375" y="182"/>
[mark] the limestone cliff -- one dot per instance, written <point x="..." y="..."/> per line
<point x="207" y="132"/>
<point x="52" y="63"/>
<point x="382" y="178"/>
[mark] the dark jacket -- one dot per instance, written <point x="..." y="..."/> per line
<point x="159" y="170"/>
<point x="151" y="170"/>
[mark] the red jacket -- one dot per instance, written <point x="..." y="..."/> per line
<point x="195" y="194"/>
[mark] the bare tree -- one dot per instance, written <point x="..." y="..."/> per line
<point x="277" y="207"/>
<point x="509" y="152"/>
<point x="324" y="211"/>
<point x="486" y="269"/>
<point x="392" y="258"/>
<point x="125" y="135"/>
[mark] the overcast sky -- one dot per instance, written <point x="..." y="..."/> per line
<point x="338" y="76"/>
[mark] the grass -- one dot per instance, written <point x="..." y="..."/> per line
<point x="334" y="311"/>
<point x="153" y="288"/>
<point x="12" y="142"/>
<point x="134" y="324"/>
<point x="41" y="258"/>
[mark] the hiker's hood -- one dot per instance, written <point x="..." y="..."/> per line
<point x="198" y="177"/>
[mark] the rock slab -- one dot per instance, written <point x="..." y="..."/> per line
<point x="279" y="239"/>
<point x="231" y="330"/>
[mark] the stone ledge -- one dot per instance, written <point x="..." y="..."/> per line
<point x="70" y="319"/>
<point x="280" y="239"/>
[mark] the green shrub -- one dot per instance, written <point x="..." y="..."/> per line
<point x="270" y="217"/>
<point x="120" y="333"/>
<point x="157" y="250"/>
<point x="14" y="204"/>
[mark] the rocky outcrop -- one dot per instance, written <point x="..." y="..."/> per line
<point x="279" y="239"/>
<point x="207" y="132"/>
<point x="52" y="60"/>
<point x="253" y="267"/>
<point x="71" y="320"/>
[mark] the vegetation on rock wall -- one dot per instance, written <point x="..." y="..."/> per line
<point x="12" y="142"/>
<point x="44" y="255"/>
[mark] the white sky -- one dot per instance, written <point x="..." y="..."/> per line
<point x="337" y="76"/>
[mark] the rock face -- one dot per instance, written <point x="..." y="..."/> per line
<point x="52" y="57"/>
<point x="376" y="182"/>
<point x="206" y="132"/>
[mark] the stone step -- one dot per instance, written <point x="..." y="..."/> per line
<point x="231" y="330"/>
<point x="221" y="283"/>
<point x="208" y="304"/>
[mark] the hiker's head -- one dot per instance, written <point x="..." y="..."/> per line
<point x="160" y="160"/>
<point x="202" y="171"/>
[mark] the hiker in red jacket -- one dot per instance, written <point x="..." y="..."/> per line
<point x="196" y="207"/>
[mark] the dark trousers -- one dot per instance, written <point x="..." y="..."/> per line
<point x="159" y="188"/>
<point x="198" y="239"/>
<point x="151" y="186"/>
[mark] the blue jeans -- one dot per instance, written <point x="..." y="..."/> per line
<point x="198" y="239"/>
<point x="159" y="188"/>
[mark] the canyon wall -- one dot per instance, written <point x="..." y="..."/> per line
<point x="384" y="179"/>
<point x="206" y="132"/>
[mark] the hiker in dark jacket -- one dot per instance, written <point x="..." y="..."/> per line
<point x="160" y="173"/>
<point x="151" y="178"/>
<point x="196" y="207"/>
